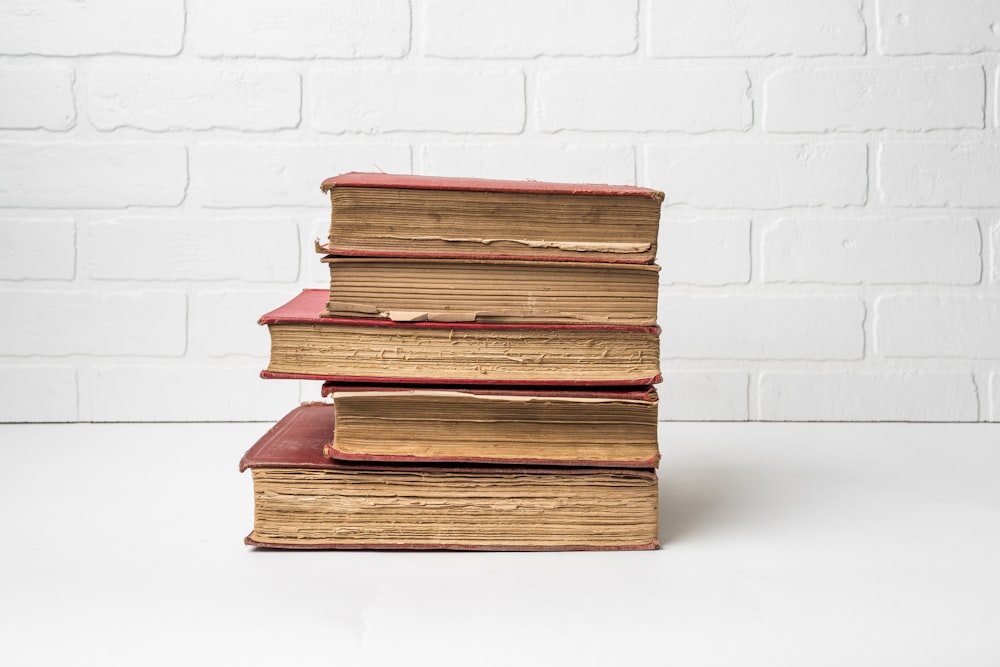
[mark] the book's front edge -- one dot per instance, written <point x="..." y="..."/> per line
<point x="646" y="257"/>
<point x="612" y="392"/>
<point x="250" y="540"/>
<point x="331" y="452"/>
<point x="637" y="382"/>
<point x="306" y="308"/>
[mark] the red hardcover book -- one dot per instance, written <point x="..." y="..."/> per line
<point x="524" y="426"/>
<point x="303" y="500"/>
<point x="473" y="290"/>
<point x="307" y="346"/>
<point x="376" y="214"/>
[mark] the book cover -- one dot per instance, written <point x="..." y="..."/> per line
<point x="357" y="179"/>
<point x="625" y="393"/>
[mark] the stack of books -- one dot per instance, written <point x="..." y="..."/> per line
<point x="490" y="348"/>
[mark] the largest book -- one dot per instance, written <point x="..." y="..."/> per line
<point x="302" y="500"/>
<point x="307" y="346"/>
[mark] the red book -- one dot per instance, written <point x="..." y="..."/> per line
<point x="303" y="500"/>
<point x="307" y="346"/>
<point x="473" y="290"/>
<point x="526" y="426"/>
<point x="375" y="214"/>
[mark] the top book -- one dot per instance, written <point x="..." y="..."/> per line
<point x="393" y="215"/>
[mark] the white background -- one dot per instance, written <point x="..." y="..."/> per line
<point x="829" y="240"/>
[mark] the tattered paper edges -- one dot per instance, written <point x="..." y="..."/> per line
<point x="365" y="311"/>
<point x="581" y="247"/>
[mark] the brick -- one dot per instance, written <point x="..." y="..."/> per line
<point x="704" y="252"/>
<point x="59" y="28"/>
<point x="641" y="100"/>
<point x="761" y="327"/>
<point x="874" y="98"/>
<point x="926" y="326"/>
<point x="193" y="249"/>
<point x="703" y="396"/>
<point x="304" y="29"/>
<point x="224" y="322"/>
<point x="841" y="396"/>
<point x="55" y="323"/>
<point x="188" y="393"/>
<point x="707" y="28"/>
<point x="940" y="174"/>
<point x="37" y="97"/>
<point x="384" y="100"/>
<point x="529" y="28"/>
<point x="43" y="249"/>
<point x="38" y="394"/>
<point x="272" y="174"/>
<point x="875" y="251"/>
<point x="174" y="96"/>
<point x="92" y="175"/>
<point x="543" y="162"/>
<point x="760" y="176"/>
<point x="931" y="26"/>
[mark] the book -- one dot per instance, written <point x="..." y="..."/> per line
<point x="525" y="426"/>
<point x="303" y="500"/>
<point x="466" y="290"/>
<point x="307" y="346"/>
<point x="425" y="216"/>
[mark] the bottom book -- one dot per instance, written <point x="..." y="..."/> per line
<point x="303" y="500"/>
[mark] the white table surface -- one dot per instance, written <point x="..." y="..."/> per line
<point x="784" y="544"/>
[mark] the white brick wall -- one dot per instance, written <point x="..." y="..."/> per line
<point x="705" y="251"/>
<point x="37" y="97"/>
<point x="716" y="28"/>
<point x="830" y="240"/>
<point x="858" y="99"/>
<point x="641" y="100"/>
<point x="958" y="175"/>
<point x="299" y="29"/>
<point x="576" y="163"/>
<point x="95" y="174"/>
<point x="174" y="96"/>
<point x="931" y="26"/>
<point x="524" y="28"/>
<point x="56" y="323"/>
<point x="761" y="327"/>
<point x="704" y="395"/>
<point x="425" y="99"/>
<point x="924" y="326"/>
<point x="59" y="28"/>
<point x="251" y="174"/>
<point x="37" y="249"/>
<point x="942" y="251"/>
<point x="839" y="396"/>
<point x="761" y="175"/>
<point x="172" y="249"/>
